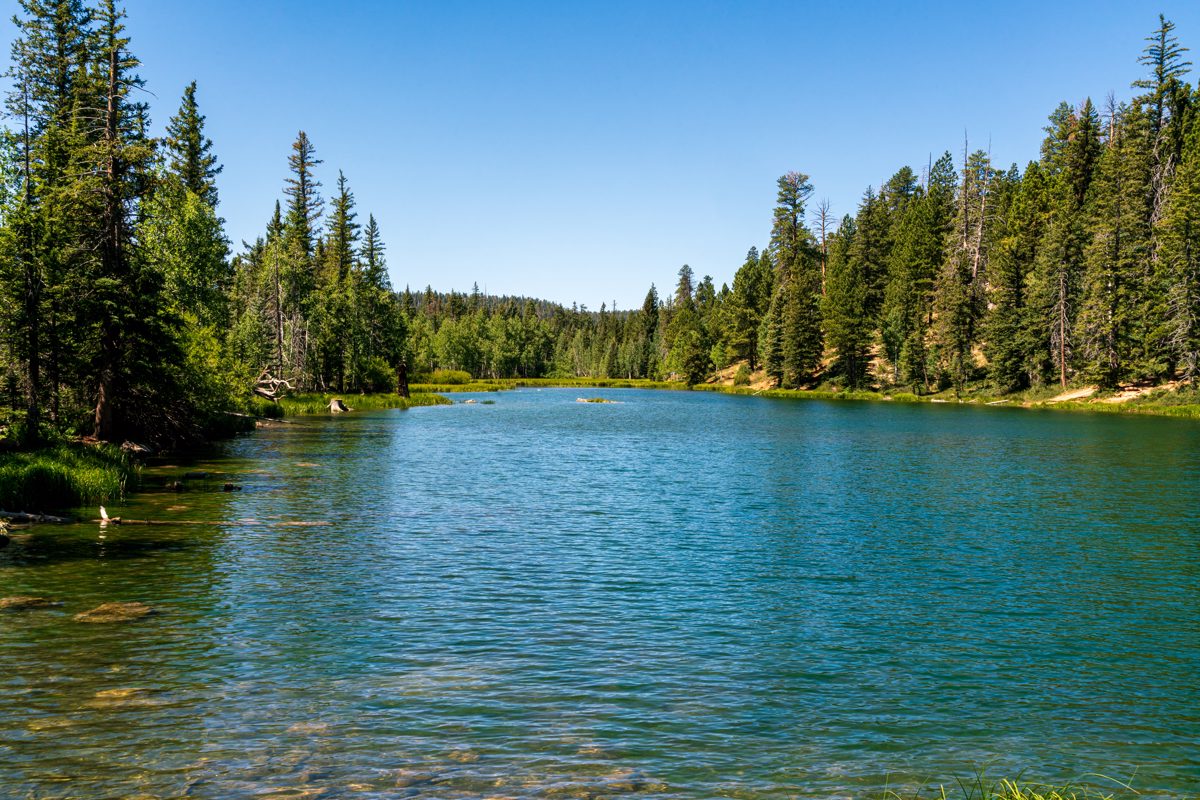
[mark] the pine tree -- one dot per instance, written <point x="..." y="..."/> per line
<point x="798" y="282"/>
<point x="920" y="236"/>
<point x="770" y="336"/>
<point x="1070" y="154"/>
<point x="1179" y="234"/>
<point x="51" y="56"/>
<point x="1117" y="255"/>
<point x="189" y="151"/>
<point x="959" y="292"/>
<point x="1008" y="345"/>
<point x="845" y="305"/>
<point x="871" y="248"/>
<point x="1162" y="105"/>
<point x="342" y="234"/>
<point x="746" y="306"/>
<point x="304" y="202"/>
<point x="685" y="288"/>
<point x="372" y="256"/>
<point x="126" y="305"/>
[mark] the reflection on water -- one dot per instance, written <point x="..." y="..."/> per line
<point x="681" y="595"/>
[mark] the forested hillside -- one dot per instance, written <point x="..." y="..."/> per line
<point x="126" y="312"/>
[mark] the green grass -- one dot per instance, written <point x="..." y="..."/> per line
<point x="262" y="407"/>
<point x="64" y="476"/>
<point x="983" y="788"/>
<point x="319" y="403"/>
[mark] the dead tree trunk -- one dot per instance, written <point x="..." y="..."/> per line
<point x="402" y="379"/>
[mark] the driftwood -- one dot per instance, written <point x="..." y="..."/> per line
<point x="336" y="406"/>
<point x="270" y="387"/>
<point x="270" y="420"/>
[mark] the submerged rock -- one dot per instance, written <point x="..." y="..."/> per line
<point x="126" y="696"/>
<point x="116" y="612"/>
<point x="24" y="603"/>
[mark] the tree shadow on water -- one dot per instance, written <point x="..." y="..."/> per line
<point x="40" y="546"/>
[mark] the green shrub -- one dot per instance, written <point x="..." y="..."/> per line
<point x="742" y="376"/>
<point x="378" y="375"/>
<point x="905" y="397"/>
<point x="450" y="377"/>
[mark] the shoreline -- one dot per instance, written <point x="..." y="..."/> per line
<point x="1149" y="405"/>
<point x="69" y="474"/>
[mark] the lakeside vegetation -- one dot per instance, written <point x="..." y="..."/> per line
<point x="126" y="317"/>
<point x="319" y="403"/>
<point x="64" y="475"/>
<point x="982" y="788"/>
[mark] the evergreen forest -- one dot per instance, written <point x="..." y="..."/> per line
<point x="127" y="314"/>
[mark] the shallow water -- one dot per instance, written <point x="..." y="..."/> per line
<point x="677" y="595"/>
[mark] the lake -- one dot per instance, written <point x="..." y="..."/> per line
<point x="677" y="595"/>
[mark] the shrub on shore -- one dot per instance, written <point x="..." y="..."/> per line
<point x="451" y="377"/>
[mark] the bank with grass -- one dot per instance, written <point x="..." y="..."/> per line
<point x="1164" y="400"/>
<point x="64" y="475"/>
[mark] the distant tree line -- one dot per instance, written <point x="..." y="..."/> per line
<point x="123" y="313"/>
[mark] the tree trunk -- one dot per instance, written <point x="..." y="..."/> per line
<point x="110" y="257"/>
<point x="33" y="301"/>
<point x="402" y="379"/>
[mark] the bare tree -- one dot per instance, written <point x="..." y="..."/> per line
<point x="822" y="220"/>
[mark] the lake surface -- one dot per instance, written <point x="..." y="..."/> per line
<point x="678" y="595"/>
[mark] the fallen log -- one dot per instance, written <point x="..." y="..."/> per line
<point x="263" y="419"/>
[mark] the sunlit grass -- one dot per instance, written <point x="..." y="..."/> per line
<point x="319" y="403"/>
<point x="63" y="476"/>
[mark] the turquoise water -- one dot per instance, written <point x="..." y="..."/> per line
<point x="677" y="595"/>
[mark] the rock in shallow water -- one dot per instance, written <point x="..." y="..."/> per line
<point x="116" y="612"/>
<point x="123" y="697"/>
<point x="24" y="603"/>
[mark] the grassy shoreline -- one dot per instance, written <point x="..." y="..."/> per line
<point x="1164" y="403"/>
<point x="317" y="404"/>
<point x="64" y="475"/>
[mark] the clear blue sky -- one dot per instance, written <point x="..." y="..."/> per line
<point x="579" y="151"/>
